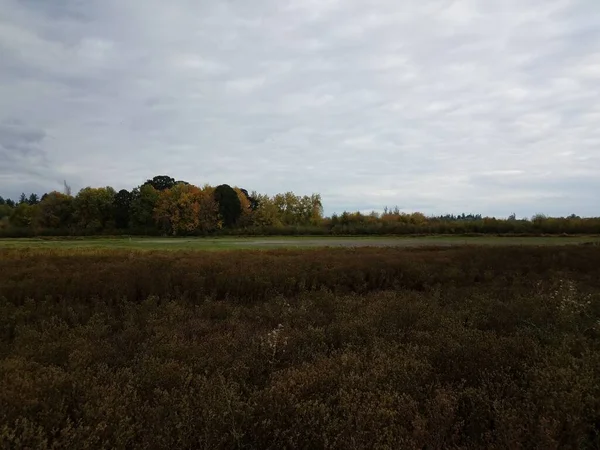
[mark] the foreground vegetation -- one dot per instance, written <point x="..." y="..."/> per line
<point x="349" y="348"/>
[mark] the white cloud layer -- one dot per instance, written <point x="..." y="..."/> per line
<point x="436" y="105"/>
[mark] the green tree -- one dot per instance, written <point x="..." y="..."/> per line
<point x="161" y="182"/>
<point x="33" y="199"/>
<point x="121" y="208"/>
<point x="5" y="211"/>
<point x="141" y="207"/>
<point x="94" y="208"/>
<point x="230" y="207"/>
<point x="55" y="210"/>
<point x="22" y="215"/>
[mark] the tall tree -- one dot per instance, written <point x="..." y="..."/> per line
<point x="121" y="206"/>
<point x="141" y="207"/>
<point x="267" y="213"/>
<point x="245" y="218"/>
<point x="67" y="188"/>
<point x="22" y="198"/>
<point x="93" y="208"/>
<point x="161" y="182"/>
<point x="316" y="209"/>
<point x="2" y="201"/>
<point x="185" y="209"/>
<point x="252" y="199"/>
<point x="209" y="210"/>
<point x="22" y="215"/>
<point x="230" y="208"/>
<point x="5" y="211"/>
<point x="55" y="210"/>
<point x="33" y="199"/>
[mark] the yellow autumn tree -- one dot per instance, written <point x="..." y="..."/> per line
<point x="293" y="209"/>
<point x="245" y="218"/>
<point x="315" y="217"/>
<point x="267" y="214"/>
<point x="186" y="209"/>
<point x="209" y="210"/>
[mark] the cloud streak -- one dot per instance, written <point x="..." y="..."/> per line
<point x="441" y="106"/>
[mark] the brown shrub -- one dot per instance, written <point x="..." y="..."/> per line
<point x="455" y="348"/>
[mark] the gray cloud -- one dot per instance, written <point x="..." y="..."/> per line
<point x="17" y="139"/>
<point x="442" y="106"/>
<point x="21" y="153"/>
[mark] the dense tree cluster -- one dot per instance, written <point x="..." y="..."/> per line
<point x="160" y="205"/>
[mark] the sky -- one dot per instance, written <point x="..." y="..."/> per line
<point x="438" y="106"/>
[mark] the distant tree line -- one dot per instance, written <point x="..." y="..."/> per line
<point x="164" y="206"/>
<point x="398" y="223"/>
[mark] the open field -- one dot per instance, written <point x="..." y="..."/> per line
<point x="285" y="242"/>
<point x="449" y="347"/>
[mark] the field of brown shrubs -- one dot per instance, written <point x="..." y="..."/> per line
<point x="426" y="348"/>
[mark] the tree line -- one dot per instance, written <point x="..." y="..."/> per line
<point x="164" y="206"/>
<point x="161" y="205"/>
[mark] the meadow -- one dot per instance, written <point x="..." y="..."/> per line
<point x="437" y="346"/>
<point x="268" y="242"/>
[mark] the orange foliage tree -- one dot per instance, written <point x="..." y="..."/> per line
<point x="246" y="216"/>
<point x="209" y="210"/>
<point x="186" y="209"/>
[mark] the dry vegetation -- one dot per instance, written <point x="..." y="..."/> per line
<point x="370" y="348"/>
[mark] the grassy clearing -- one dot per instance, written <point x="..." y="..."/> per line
<point x="456" y="347"/>
<point x="152" y="243"/>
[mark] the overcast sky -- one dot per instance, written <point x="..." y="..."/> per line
<point x="431" y="105"/>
